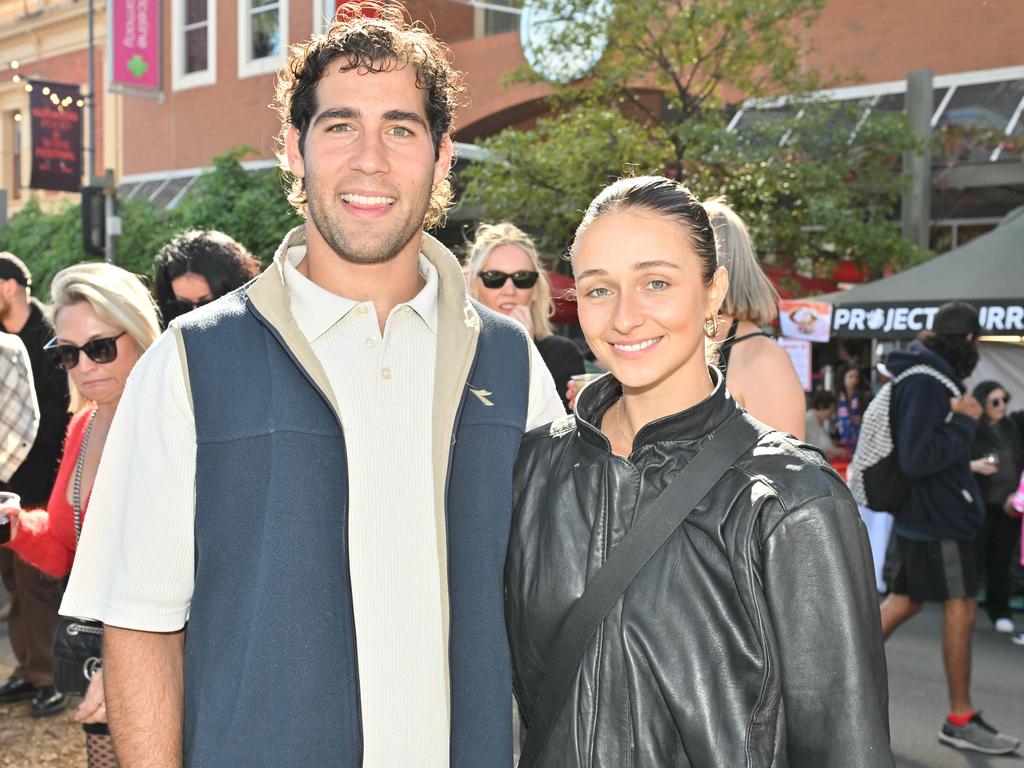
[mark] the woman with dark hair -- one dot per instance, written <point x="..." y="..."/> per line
<point x="997" y="459"/>
<point x="684" y="585"/>
<point x="851" y="400"/>
<point x="197" y="267"/>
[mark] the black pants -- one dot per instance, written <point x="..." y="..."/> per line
<point x="1001" y="532"/>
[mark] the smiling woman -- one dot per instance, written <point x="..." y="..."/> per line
<point x="755" y="608"/>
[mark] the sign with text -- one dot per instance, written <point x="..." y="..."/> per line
<point x="799" y="351"/>
<point x="133" y="29"/>
<point x="808" y="320"/>
<point x="56" y="121"/>
<point x="901" y="321"/>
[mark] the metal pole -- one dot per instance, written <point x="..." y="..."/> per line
<point x="113" y="222"/>
<point x="90" y="104"/>
<point x="917" y="199"/>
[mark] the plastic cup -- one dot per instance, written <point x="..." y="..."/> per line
<point x="7" y="499"/>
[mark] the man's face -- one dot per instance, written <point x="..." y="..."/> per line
<point x="368" y="164"/>
<point x="7" y="290"/>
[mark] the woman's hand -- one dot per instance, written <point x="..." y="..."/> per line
<point x="13" y="513"/>
<point x="522" y="314"/>
<point x="571" y="391"/>
<point x="1011" y="510"/>
<point x="983" y="467"/>
<point x="93" y="708"/>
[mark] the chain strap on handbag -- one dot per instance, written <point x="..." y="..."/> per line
<point x="77" y="643"/>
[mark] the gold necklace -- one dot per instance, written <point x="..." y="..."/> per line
<point x="618" y="422"/>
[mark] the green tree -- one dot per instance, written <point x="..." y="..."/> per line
<point x="251" y="206"/>
<point x="815" y="181"/>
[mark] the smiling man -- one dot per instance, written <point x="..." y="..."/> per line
<point x="314" y="472"/>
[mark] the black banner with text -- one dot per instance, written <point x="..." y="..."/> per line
<point x="56" y="136"/>
<point x="902" y="321"/>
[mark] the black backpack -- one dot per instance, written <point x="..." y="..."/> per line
<point x="874" y="475"/>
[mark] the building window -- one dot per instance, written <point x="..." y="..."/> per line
<point x="490" y="19"/>
<point x="195" y="53"/>
<point x="262" y="33"/>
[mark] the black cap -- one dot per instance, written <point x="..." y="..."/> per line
<point x="956" y="318"/>
<point x="13" y="268"/>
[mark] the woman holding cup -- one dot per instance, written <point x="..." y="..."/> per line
<point x="104" y="320"/>
<point x="505" y="274"/>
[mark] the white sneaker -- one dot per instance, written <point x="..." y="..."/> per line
<point x="1004" y="626"/>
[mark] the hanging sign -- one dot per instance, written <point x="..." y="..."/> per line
<point x="56" y="126"/>
<point x="799" y="352"/>
<point x="809" y="320"/>
<point x="133" y="29"/>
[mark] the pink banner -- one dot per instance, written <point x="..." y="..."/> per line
<point x="134" y="32"/>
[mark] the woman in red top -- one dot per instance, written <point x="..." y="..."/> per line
<point x="104" y="319"/>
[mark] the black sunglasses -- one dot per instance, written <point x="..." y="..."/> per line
<point x="524" y="278"/>
<point x="995" y="402"/>
<point x="177" y="307"/>
<point x="100" y="351"/>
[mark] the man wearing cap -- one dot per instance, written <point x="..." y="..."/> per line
<point x="940" y="519"/>
<point x="35" y="596"/>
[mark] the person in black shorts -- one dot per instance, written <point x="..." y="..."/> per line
<point x="940" y="519"/>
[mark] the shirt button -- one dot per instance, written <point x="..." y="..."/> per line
<point x="361" y="310"/>
<point x="370" y="343"/>
<point x="385" y="373"/>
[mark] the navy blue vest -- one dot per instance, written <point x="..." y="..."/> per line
<point x="270" y="655"/>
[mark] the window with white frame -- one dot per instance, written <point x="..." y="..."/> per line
<point x="194" y="52"/>
<point x="323" y="14"/>
<point x="262" y="36"/>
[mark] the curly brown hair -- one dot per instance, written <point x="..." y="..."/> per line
<point x="372" y="37"/>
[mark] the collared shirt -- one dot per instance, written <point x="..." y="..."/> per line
<point x="383" y="384"/>
<point x="19" y="409"/>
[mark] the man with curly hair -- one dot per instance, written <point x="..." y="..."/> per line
<point x="314" y="472"/>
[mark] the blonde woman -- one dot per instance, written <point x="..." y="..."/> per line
<point x="758" y="372"/>
<point x="104" y="319"/>
<point x="504" y="273"/>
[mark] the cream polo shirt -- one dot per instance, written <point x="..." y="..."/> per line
<point x="383" y="383"/>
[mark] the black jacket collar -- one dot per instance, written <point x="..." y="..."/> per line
<point x="692" y="424"/>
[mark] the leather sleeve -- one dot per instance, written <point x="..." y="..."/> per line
<point x="820" y="590"/>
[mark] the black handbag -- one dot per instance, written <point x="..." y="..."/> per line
<point x="77" y="643"/>
<point x="77" y="654"/>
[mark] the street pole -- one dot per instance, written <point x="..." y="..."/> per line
<point x="917" y="199"/>
<point x="90" y="105"/>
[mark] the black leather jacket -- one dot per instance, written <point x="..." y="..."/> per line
<point x="751" y="639"/>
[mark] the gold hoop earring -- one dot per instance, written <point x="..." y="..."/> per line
<point x="711" y="327"/>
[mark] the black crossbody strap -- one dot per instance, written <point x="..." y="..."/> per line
<point x="643" y="540"/>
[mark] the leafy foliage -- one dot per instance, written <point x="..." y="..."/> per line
<point x="815" y="181"/>
<point x="249" y="206"/>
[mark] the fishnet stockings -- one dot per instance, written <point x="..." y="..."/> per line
<point x="100" y="751"/>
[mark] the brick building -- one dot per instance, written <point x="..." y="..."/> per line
<point x="219" y="57"/>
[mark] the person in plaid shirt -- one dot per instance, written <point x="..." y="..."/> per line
<point x="34" y="596"/>
<point x="19" y="408"/>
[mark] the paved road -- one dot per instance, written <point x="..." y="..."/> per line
<point x="917" y="690"/>
<point x="918" y="697"/>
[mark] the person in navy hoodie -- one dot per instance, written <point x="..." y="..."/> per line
<point x="940" y="519"/>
